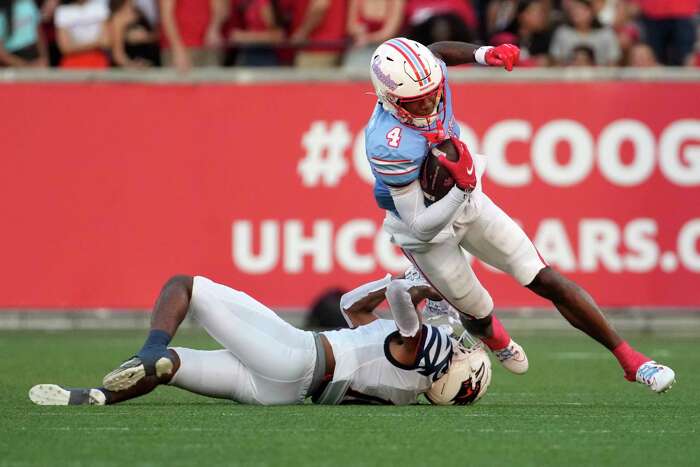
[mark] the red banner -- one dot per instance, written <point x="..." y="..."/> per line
<point x="108" y="189"/>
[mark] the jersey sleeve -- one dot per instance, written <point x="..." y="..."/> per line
<point x="434" y="352"/>
<point x="397" y="166"/>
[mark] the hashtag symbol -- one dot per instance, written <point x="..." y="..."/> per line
<point x="324" y="162"/>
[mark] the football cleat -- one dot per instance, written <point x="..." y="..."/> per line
<point x="659" y="378"/>
<point x="414" y="276"/>
<point x="134" y="370"/>
<point x="513" y="358"/>
<point x="53" y="394"/>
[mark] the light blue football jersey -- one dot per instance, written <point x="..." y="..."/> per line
<point x="396" y="151"/>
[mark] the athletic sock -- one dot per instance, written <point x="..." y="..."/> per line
<point x="156" y="346"/>
<point x="500" y="338"/>
<point x="630" y="360"/>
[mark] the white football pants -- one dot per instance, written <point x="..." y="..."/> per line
<point x="265" y="361"/>
<point x="485" y="231"/>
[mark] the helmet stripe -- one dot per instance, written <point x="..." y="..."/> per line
<point x="414" y="59"/>
<point x="415" y="63"/>
<point x="416" y="56"/>
<point x="410" y="62"/>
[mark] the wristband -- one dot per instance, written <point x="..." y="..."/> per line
<point x="480" y="54"/>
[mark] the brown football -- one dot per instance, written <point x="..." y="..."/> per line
<point x="435" y="180"/>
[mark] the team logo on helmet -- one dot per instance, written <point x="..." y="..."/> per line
<point x="381" y="76"/>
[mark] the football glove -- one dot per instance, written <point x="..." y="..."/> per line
<point x="505" y="55"/>
<point x="463" y="170"/>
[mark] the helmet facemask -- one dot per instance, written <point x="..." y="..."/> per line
<point x="420" y="121"/>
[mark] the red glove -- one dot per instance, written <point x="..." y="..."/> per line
<point x="462" y="170"/>
<point x="505" y="55"/>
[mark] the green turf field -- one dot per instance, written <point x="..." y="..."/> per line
<point x="571" y="409"/>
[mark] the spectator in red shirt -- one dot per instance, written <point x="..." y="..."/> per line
<point x="255" y="32"/>
<point x="371" y="22"/>
<point x="318" y="29"/>
<point x="669" y="28"/>
<point x="192" y="32"/>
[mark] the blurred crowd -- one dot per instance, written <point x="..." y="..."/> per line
<point x="184" y="34"/>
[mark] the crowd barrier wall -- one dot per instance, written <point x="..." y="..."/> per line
<point x="110" y="187"/>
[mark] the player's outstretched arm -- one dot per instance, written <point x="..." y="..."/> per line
<point x="403" y="296"/>
<point x="460" y="53"/>
<point x="358" y="305"/>
<point x="454" y="53"/>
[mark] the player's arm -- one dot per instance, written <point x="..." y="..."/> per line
<point x="403" y="297"/>
<point x="358" y="305"/>
<point x="426" y="222"/>
<point x="460" y="53"/>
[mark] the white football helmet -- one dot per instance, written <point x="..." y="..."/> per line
<point x="402" y="71"/>
<point x="466" y="380"/>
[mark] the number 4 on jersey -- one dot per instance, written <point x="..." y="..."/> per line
<point x="394" y="137"/>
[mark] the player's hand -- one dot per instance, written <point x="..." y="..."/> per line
<point x="505" y="55"/>
<point x="462" y="170"/>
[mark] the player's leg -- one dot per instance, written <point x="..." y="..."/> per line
<point x="448" y="271"/>
<point x="212" y="373"/>
<point x="153" y="359"/>
<point x="281" y="358"/>
<point x="497" y="240"/>
<point x="579" y="308"/>
<point x="54" y="394"/>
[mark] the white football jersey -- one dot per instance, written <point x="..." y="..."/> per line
<point x="365" y="372"/>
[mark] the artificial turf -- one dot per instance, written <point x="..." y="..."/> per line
<point x="572" y="408"/>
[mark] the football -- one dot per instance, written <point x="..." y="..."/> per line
<point x="435" y="180"/>
<point x="465" y="382"/>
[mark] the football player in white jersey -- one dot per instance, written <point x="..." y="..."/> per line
<point x="413" y="114"/>
<point x="267" y="361"/>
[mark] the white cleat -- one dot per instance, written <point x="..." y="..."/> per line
<point x="53" y="394"/>
<point x="659" y="378"/>
<point x="513" y="358"/>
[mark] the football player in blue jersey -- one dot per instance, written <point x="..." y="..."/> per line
<point x="413" y="114"/>
<point x="267" y="361"/>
